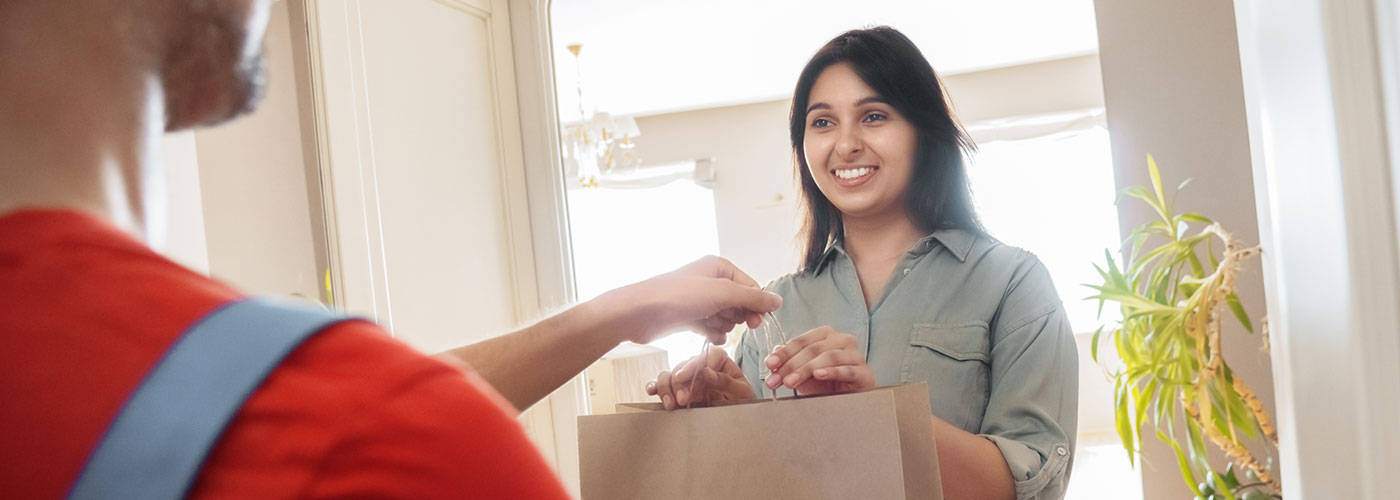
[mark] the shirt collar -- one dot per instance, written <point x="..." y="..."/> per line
<point x="958" y="242"/>
<point x="832" y="248"/>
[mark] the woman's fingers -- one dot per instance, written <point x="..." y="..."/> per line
<point x="684" y="380"/>
<point x="703" y="378"/>
<point x="827" y="360"/>
<point x="833" y="339"/>
<point x="806" y="355"/>
<point x="851" y="376"/>
<point x="663" y="389"/>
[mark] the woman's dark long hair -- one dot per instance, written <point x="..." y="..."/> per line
<point x="938" y="195"/>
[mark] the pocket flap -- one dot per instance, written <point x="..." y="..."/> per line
<point x="960" y="342"/>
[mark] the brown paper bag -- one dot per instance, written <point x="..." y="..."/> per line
<point x="876" y="444"/>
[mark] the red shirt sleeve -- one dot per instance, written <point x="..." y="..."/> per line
<point x="440" y="438"/>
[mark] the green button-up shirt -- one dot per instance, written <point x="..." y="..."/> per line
<point x="977" y="320"/>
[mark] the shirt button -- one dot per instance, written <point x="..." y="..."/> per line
<point x="906" y="271"/>
<point x="1061" y="450"/>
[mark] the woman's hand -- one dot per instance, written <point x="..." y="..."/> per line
<point x="719" y="378"/>
<point x="821" y="361"/>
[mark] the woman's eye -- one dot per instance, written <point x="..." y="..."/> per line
<point x="873" y="117"/>
<point x="821" y="123"/>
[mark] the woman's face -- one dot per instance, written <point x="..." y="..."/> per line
<point x="860" y="151"/>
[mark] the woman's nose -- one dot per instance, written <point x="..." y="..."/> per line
<point x="849" y="143"/>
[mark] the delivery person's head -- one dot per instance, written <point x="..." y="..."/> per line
<point x="874" y="136"/>
<point x="203" y="55"/>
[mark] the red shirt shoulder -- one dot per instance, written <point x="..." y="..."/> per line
<point x="351" y="412"/>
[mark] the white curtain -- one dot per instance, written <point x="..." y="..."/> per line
<point x="1017" y="128"/>
<point x="699" y="171"/>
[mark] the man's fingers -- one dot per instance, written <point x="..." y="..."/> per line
<point x="753" y="320"/>
<point x="729" y="295"/>
<point x="723" y="268"/>
<point x="732" y="316"/>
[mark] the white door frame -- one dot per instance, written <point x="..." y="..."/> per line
<point x="549" y="214"/>
<point x="1320" y="90"/>
<point x="350" y="200"/>
<point x="531" y="185"/>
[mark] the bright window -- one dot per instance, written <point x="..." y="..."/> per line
<point x="1053" y="196"/>
<point x="625" y="235"/>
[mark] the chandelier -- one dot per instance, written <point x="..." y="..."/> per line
<point x="599" y="143"/>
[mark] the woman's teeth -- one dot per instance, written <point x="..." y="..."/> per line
<point x="852" y="173"/>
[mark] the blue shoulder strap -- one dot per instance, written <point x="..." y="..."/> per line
<point x="158" y="441"/>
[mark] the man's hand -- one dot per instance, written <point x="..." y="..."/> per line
<point x="821" y="361"/>
<point x="709" y="296"/>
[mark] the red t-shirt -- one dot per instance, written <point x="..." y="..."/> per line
<point x="86" y="311"/>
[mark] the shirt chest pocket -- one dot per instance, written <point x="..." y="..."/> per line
<point x="955" y="362"/>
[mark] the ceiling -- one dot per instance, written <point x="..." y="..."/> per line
<point x="645" y="57"/>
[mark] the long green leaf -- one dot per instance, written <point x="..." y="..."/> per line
<point x="1094" y="344"/>
<point x="1156" y="182"/>
<point x="1196" y="443"/>
<point x="1120" y="419"/>
<point x="1197" y="270"/>
<point x="1143" y="399"/>
<point x="1166" y="406"/>
<point x="1186" y="473"/>
<point x="1238" y="309"/>
<point x="1195" y="217"/>
<point x="1221" y="488"/>
<point x="1240" y="417"/>
<point x="1143" y="194"/>
<point x="1210" y="254"/>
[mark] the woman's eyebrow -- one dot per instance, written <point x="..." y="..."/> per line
<point x="862" y="102"/>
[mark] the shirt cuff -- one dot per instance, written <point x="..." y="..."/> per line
<point x="1036" y="478"/>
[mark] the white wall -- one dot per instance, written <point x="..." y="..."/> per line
<point x="755" y="188"/>
<point x="1172" y="84"/>
<point x="1059" y="85"/>
<point x="257" y="211"/>
<point x="185" y="240"/>
<point x="755" y="200"/>
<point x="1321" y="88"/>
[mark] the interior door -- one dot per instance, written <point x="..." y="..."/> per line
<point x="418" y="145"/>
<point x="420" y="154"/>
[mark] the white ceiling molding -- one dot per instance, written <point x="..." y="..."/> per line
<point x="643" y="57"/>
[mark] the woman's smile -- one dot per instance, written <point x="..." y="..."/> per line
<point x="853" y="176"/>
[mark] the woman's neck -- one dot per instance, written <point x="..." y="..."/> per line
<point x="879" y="240"/>
<point x="875" y="246"/>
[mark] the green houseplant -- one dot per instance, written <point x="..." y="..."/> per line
<point x="1172" y="285"/>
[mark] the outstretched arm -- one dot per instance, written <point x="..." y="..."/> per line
<point x="708" y="296"/>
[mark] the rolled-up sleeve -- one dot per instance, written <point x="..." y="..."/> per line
<point x="1032" y="411"/>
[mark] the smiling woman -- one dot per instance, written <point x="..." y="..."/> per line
<point x="900" y="284"/>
